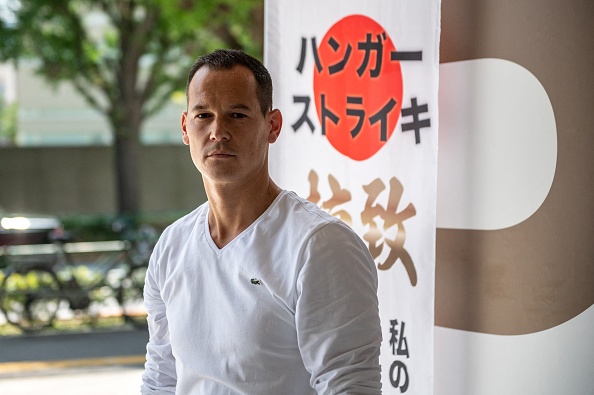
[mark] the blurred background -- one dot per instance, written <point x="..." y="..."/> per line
<point x="90" y="99"/>
<point x="91" y="163"/>
<point x="92" y="167"/>
<point x="91" y="94"/>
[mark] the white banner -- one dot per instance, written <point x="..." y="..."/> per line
<point x="357" y="84"/>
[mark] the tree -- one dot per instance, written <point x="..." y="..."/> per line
<point x="8" y="124"/>
<point x="128" y="68"/>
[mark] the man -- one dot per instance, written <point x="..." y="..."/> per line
<point x="257" y="291"/>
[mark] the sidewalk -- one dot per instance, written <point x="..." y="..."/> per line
<point x="27" y="355"/>
<point x="116" y="380"/>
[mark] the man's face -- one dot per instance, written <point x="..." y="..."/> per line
<point x="225" y="129"/>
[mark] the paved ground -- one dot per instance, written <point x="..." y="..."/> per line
<point x="108" y="362"/>
<point x="116" y="380"/>
<point x="72" y="346"/>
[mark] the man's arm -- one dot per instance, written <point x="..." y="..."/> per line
<point x="159" y="375"/>
<point x="337" y="313"/>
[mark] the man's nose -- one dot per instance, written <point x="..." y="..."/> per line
<point x="218" y="131"/>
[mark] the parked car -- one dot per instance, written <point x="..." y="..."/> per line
<point x="22" y="228"/>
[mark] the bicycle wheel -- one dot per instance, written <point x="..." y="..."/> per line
<point x="30" y="298"/>
<point x="130" y="297"/>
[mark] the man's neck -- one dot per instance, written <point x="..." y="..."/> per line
<point x="233" y="209"/>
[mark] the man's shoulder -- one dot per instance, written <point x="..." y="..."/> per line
<point x="185" y="222"/>
<point x="322" y="234"/>
<point x="299" y="209"/>
<point x="301" y="217"/>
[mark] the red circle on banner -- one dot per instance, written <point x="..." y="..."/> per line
<point x="357" y="87"/>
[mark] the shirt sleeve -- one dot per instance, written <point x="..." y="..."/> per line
<point x="337" y="313"/>
<point x="159" y="375"/>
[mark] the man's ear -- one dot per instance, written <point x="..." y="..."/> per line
<point x="276" y="124"/>
<point x="184" y="119"/>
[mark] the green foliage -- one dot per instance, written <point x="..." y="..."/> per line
<point x="126" y="58"/>
<point x="31" y="281"/>
<point x="90" y="227"/>
<point x="99" y="227"/>
<point x="139" y="50"/>
<point x="8" y="122"/>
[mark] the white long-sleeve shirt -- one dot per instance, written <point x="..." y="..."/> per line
<point x="287" y="307"/>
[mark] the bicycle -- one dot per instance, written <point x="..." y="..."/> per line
<point x="41" y="280"/>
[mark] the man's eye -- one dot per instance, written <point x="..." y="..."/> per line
<point x="202" y="115"/>
<point x="238" y="115"/>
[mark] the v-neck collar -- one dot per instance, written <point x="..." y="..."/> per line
<point x="211" y="242"/>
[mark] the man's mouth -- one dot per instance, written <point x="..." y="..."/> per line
<point x="220" y="154"/>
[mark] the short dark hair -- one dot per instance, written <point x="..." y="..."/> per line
<point x="226" y="59"/>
